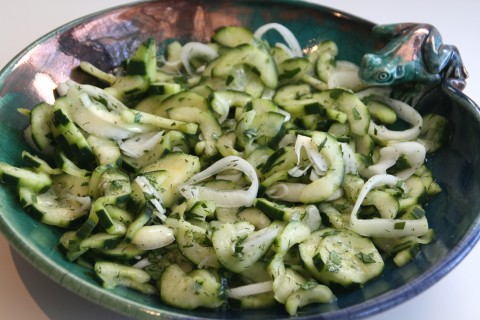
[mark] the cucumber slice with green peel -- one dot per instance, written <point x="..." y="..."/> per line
<point x="172" y="52"/>
<point x="357" y="112"/>
<point x="181" y="289"/>
<point x="128" y="89"/>
<point x="180" y="166"/>
<point x="194" y="244"/>
<point x="381" y="112"/>
<point x="40" y="122"/>
<point x="46" y="208"/>
<point x="21" y="177"/>
<point x="322" y="188"/>
<point x="232" y="36"/>
<point x="208" y="124"/>
<point x="143" y="62"/>
<point x="434" y="132"/>
<point x="341" y="257"/>
<point x="106" y="151"/>
<point x="115" y="274"/>
<point x="252" y="56"/>
<point x="222" y="101"/>
<point x="69" y="137"/>
<point x="293" y="69"/>
<point x="280" y="212"/>
<point x="181" y="99"/>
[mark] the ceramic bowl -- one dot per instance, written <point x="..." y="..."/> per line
<point x="108" y="37"/>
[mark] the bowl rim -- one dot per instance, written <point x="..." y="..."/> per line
<point x="110" y="300"/>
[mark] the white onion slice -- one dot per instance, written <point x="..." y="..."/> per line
<point x="345" y="75"/>
<point x="380" y="227"/>
<point x="316" y="159"/>
<point x="112" y="103"/>
<point x="150" y="190"/>
<point x="141" y="264"/>
<point x="413" y="151"/>
<point x="223" y="198"/>
<point x="374" y="91"/>
<point x="95" y="118"/>
<point x="285" y="48"/>
<point x="312" y="218"/>
<point x="286" y="191"/>
<point x="250" y="290"/>
<point x="84" y="202"/>
<point x="153" y="237"/>
<point x="137" y="145"/>
<point x="287" y="115"/>
<point x="404" y="111"/>
<point x="195" y="49"/>
<point x="287" y="140"/>
<point x="349" y="158"/>
<point x="287" y="35"/>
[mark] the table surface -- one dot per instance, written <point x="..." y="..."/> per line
<point x="25" y="293"/>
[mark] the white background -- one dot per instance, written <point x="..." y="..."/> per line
<point x="27" y="294"/>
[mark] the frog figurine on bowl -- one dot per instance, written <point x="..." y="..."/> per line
<point x="414" y="60"/>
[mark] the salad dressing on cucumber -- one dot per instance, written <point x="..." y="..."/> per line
<point x="232" y="173"/>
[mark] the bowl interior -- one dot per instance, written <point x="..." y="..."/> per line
<point x="107" y="38"/>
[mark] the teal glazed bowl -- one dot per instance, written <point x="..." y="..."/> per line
<point x="106" y="38"/>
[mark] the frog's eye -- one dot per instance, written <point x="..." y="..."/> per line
<point x="399" y="72"/>
<point x="382" y="76"/>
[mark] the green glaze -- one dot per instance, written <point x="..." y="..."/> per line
<point x="414" y="55"/>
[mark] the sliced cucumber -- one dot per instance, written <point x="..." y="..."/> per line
<point x="268" y="127"/>
<point x="69" y="137"/>
<point x="190" y="290"/>
<point x="49" y="210"/>
<point x="283" y="159"/>
<point x="381" y="112"/>
<point x="20" y="177"/>
<point x="252" y="56"/>
<point x="280" y="212"/>
<point x="434" y="133"/>
<point x="232" y="36"/>
<point x="114" y="274"/>
<point x="325" y="64"/>
<point x="67" y="166"/>
<point x="106" y="151"/>
<point x="208" y="124"/>
<point x="128" y="89"/>
<point x="180" y="166"/>
<point x="293" y="69"/>
<point x="222" y="101"/>
<point x="238" y="246"/>
<point x="341" y="257"/>
<point x="41" y="120"/>
<point x="38" y="164"/>
<point x="322" y="188"/>
<point x="194" y="244"/>
<point x="357" y="113"/>
<point x="295" y="99"/>
<point x="68" y="184"/>
<point x="143" y="62"/>
<point x="181" y="99"/>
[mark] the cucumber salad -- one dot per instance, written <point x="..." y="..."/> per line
<point x="236" y="173"/>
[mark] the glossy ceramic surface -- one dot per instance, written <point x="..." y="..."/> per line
<point x="108" y="37"/>
<point x="414" y="60"/>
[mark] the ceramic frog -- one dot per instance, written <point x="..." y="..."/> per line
<point x="415" y="57"/>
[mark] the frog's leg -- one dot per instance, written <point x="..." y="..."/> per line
<point x="441" y="58"/>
